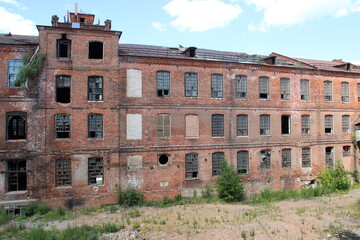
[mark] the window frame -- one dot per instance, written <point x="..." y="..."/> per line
<point x="95" y="169"/>
<point x="60" y="86"/>
<point x="13" y="68"/>
<point x="63" y="174"/>
<point x="347" y="151"/>
<point x="62" y="125"/>
<point x="285" y="89"/>
<point x="328" y="91"/>
<point x="217" y="125"/>
<point x="63" y="41"/>
<point x="306" y="157"/>
<point x="241" y="87"/>
<point x="264" y="88"/>
<point x="345" y="92"/>
<point x="163" y="83"/>
<point x="217" y="86"/>
<point x="9" y="126"/>
<point x="242" y="162"/>
<point x="95" y="53"/>
<point x="329" y="124"/>
<point x="98" y="120"/>
<point x="329" y="157"/>
<point x="162" y="128"/>
<point x="265" y="160"/>
<point x="345" y="124"/>
<point x="95" y="89"/>
<point x="305" y="90"/>
<point x="191" y="84"/>
<point x="286" y="158"/>
<point x="191" y="166"/>
<point x="217" y="158"/>
<point x="14" y="173"/>
<point x="242" y="125"/>
<point x="265" y="125"/>
<point x="305" y="124"/>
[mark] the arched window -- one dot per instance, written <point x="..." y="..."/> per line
<point x="16" y="125"/>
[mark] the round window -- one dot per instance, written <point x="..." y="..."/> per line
<point x="163" y="159"/>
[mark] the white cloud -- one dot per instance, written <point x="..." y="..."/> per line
<point x="15" y="23"/>
<point x="15" y="3"/>
<point x="292" y="12"/>
<point x="159" y="26"/>
<point x="201" y="15"/>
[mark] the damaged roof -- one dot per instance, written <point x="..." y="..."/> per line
<point x="334" y="65"/>
<point x="18" y="39"/>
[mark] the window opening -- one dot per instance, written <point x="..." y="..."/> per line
<point x="345" y="92"/>
<point x="95" y="125"/>
<point x="191" y="160"/>
<point x="305" y="90"/>
<point x="265" y="125"/>
<point x="265" y="159"/>
<point x="163" y="159"/>
<point x="62" y="125"/>
<point x="216" y="162"/>
<point x="346" y="151"/>
<point x="305" y="124"/>
<point x="63" y="172"/>
<point x="63" y="89"/>
<point x="12" y="71"/>
<point x="96" y="50"/>
<point x="217" y="86"/>
<point x="16" y="175"/>
<point x="242" y="125"/>
<point x="163" y="84"/>
<point x="243" y="162"/>
<point x="328" y="124"/>
<point x="345" y="124"/>
<point x="329" y="157"/>
<point x="305" y="157"/>
<point x="286" y="158"/>
<point x="217" y="123"/>
<point x="191" y="84"/>
<point x="163" y="128"/>
<point x="285" y="124"/>
<point x="95" y="170"/>
<point x="327" y="91"/>
<point x="63" y="47"/>
<point x="264" y="87"/>
<point x="95" y="88"/>
<point x="16" y="125"/>
<point x="285" y="88"/>
<point x="192" y="126"/>
<point x="358" y="91"/>
<point x="241" y="87"/>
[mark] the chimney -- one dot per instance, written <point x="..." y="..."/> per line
<point x="55" y="21"/>
<point x="108" y="24"/>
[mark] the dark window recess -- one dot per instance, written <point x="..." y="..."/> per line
<point x="329" y="157"/>
<point x="264" y="89"/>
<point x="16" y="175"/>
<point x="216" y="162"/>
<point x="163" y="83"/>
<point x="82" y="20"/>
<point x="191" y="160"/>
<point x="163" y="159"/>
<point x="63" y="47"/>
<point x="329" y="124"/>
<point x="16" y="125"/>
<point x="95" y="88"/>
<point x="62" y="125"/>
<point x="96" y="50"/>
<point x="265" y="159"/>
<point x="306" y="157"/>
<point x="95" y="126"/>
<point x="63" y="89"/>
<point x="95" y="170"/>
<point x="286" y="158"/>
<point x="243" y="162"/>
<point x="285" y="124"/>
<point x="62" y="172"/>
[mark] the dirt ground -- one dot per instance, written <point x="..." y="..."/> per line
<point x="328" y="217"/>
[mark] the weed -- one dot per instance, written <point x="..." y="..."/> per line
<point x="167" y="201"/>
<point x="163" y="222"/>
<point x="335" y="179"/>
<point x="178" y="198"/>
<point x="130" y="197"/>
<point x="35" y="208"/>
<point x="243" y="235"/>
<point x="252" y="233"/>
<point x="136" y="225"/>
<point x="4" y="217"/>
<point x="134" y="213"/>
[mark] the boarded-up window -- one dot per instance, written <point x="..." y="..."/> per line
<point x="265" y="125"/>
<point x="134" y="126"/>
<point x="329" y="157"/>
<point x="345" y="124"/>
<point x="163" y="126"/>
<point x="163" y="83"/>
<point x="265" y="159"/>
<point x="327" y="91"/>
<point x="305" y="90"/>
<point x="134" y="83"/>
<point x="306" y="157"/>
<point x="305" y="124"/>
<point x="243" y="162"/>
<point x="217" y="123"/>
<point x="345" y="92"/>
<point x="95" y="170"/>
<point x="241" y="87"/>
<point x="62" y="172"/>
<point x="217" y="86"/>
<point x="242" y="125"/>
<point x="328" y="124"/>
<point x="63" y="89"/>
<point x="191" y="84"/>
<point x="16" y="125"/>
<point x="95" y="125"/>
<point x="264" y="89"/>
<point x="95" y="88"/>
<point x="62" y="125"/>
<point x="192" y="126"/>
<point x="216" y="162"/>
<point x="286" y="158"/>
<point x="285" y="88"/>
<point x="191" y="165"/>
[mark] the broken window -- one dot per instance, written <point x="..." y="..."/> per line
<point x="217" y="123"/>
<point x="95" y="125"/>
<point x="216" y="162"/>
<point x="95" y="170"/>
<point x="264" y="125"/>
<point x="163" y="83"/>
<point x="358" y="91"/>
<point x="95" y="88"/>
<point x="285" y="124"/>
<point x="191" y="163"/>
<point x="345" y="124"/>
<point x="346" y="151"/>
<point x="327" y="91"/>
<point x="305" y="90"/>
<point x="329" y="124"/>
<point x="305" y="124"/>
<point x="265" y="159"/>
<point x="329" y="157"/>
<point x="285" y="88"/>
<point x="242" y="125"/>
<point x="96" y="50"/>
<point x="264" y="89"/>
<point x="217" y="86"/>
<point x="241" y="87"/>
<point x="163" y="159"/>
<point x="286" y="158"/>
<point x="191" y="84"/>
<point x="243" y="162"/>
<point x="16" y="175"/>
<point x="192" y="126"/>
<point x="306" y="157"/>
<point x="63" y="47"/>
<point x="163" y="126"/>
<point x="63" y="88"/>
<point x="345" y="92"/>
<point x="62" y="172"/>
<point x="16" y="125"/>
<point x="62" y="125"/>
<point x="12" y="71"/>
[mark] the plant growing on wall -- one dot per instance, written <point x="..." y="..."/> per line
<point x="32" y="65"/>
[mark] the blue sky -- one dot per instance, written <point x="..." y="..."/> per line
<point x="317" y="29"/>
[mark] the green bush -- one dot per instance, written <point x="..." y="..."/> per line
<point x="167" y="201"/>
<point x="4" y="217"/>
<point x="355" y="175"/>
<point x="228" y="184"/>
<point x="130" y="197"/>
<point x="178" y="198"/>
<point x="335" y="179"/>
<point x="35" y="208"/>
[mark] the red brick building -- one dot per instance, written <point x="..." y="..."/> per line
<point x="103" y="115"/>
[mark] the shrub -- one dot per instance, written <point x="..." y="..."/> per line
<point x="178" y="198"/>
<point x="228" y="184"/>
<point x="335" y="179"/>
<point x="355" y="175"/>
<point x="166" y="201"/>
<point x="130" y="197"/>
<point x="35" y="208"/>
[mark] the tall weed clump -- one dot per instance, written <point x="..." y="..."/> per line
<point x="130" y="197"/>
<point x="228" y="184"/>
<point x="335" y="179"/>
